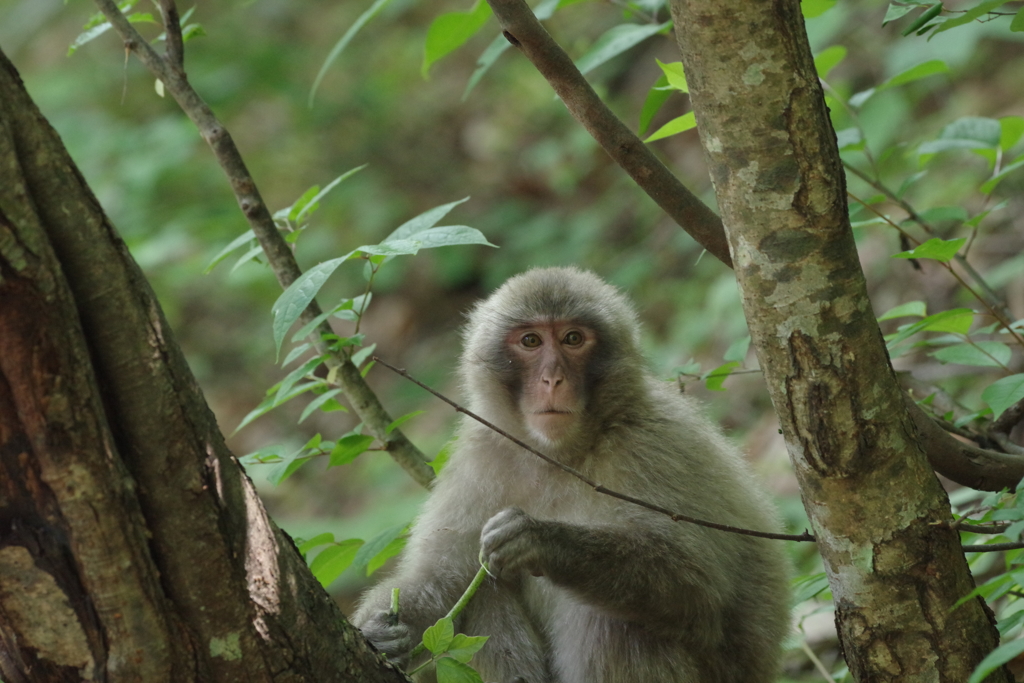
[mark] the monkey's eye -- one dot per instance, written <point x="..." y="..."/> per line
<point x="573" y="338"/>
<point x="530" y="341"/>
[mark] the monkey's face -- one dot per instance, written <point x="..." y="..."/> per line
<point x="551" y="360"/>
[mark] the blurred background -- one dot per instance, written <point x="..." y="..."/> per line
<point x="539" y="188"/>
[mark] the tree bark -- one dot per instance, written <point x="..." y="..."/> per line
<point x="132" y="545"/>
<point x="876" y="507"/>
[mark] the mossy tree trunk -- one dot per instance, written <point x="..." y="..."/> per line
<point x="876" y="507"/>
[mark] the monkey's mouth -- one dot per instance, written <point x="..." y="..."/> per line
<point x="553" y="411"/>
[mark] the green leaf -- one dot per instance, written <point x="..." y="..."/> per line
<point x="897" y="12"/>
<point x="716" y="377"/>
<point x="390" y="550"/>
<point x="453" y="671"/>
<point x="1017" y="25"/>
<point x="450" y="31"/>
<point x="449" y="236"/>
<point x="425" y="220"/>
<point x="815" y="8"/>
<point x="922" y="21"/>
<point x="915" y="73"/>
<point x="995" y="659"/>
<point x="294" y="376"/>
<point x="319" y="401"/>
<point x="294" y="300"/>
<point x="1003" y="393"/>
<point x="679" y="124"/>
<point x="463" y="647"/>
<point x="615" y="41"/>
<point x="990" y="184"/>
<point x="970" y="15"/>
<point x="1011" y="128"/>
<point x="956" y="320"/>
<point x="370" y="13"/>
<point x="737" y="351"/>
<point x="304" y="210"/>
<point x="486" y="60"/>
<point x="331" y="562"/>
<point x="968" y="132"/>
<point x="848" y="138"/>
<point x="828" y="59"/>
<point x="244" y="238"/>
<point x="396" y="423"/>
<point x="377" y="544"/>
<point x="806" y="587"/>
<point x="914" y="308"/>
<point x="247" y="257"/>
<point x="289" y="464"/>
<point x="348" y="448"/>
<point x="945" y="214"/>
<point x="319" y="539"/>
<point x="359" y="356"/>
<point x="657" y="96"/>
<point x="936" y="249"/>
<point x="438" y="637"/>
<point x="674" y="75"/>
<point x="272" y="400"/>
<point x="990" y="354"/>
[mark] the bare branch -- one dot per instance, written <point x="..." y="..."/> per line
<point x="279" y="255"/>
<point x="172" y="29"/>
<point x="524" y="31"/>
<point x="965" y="464"/>
<point x="675" y="516"/>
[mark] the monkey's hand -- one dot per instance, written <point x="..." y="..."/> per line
<point x="511" y="541"/>
<point x="388" y="635"/>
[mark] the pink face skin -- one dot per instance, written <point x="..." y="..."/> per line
<point x="553" y="356"/>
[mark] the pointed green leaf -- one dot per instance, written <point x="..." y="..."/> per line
<point x="815" y="8"/>
<point x="716" y="377"/>
<point x="1003" y="393"/>
<point x="915" y="73"/>
<point x="438" y="637"/>
<point x="674" y="75"/>
<point x="677" y="125"/>
<point x="453" y="671"/>
<point x="331" y="562"/>
<point x="290" y="305"/>
<point x="242" y="239"/>
<point x="319" y="401"/>
<point x="989" y="354"/>
<point x="390" y="550"/>
<point x="450" y="31"/>
<point x="424" y="221"/>
<point x="656" y="97"/>
<point x="828" y="59"/>
<point x="319" y="539"/>
<point x="376" y="544"/>
<point x="911" y="308"/>
<point x="463" y="647"/>
<point x="970" y="15"/>
<point x="615" y="41"/>
<point x="935" y="249"/>
<point x="341" y="44"/>
<point x="997" y="658"/>
<point x="348" y="448"/>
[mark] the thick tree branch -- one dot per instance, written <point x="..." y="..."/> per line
<point x="523" y="30"/>
<point x="968" y="465"/>
<point x="364" y="402"/>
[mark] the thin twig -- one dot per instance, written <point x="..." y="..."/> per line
<point x="172" y="33"/>
<point x="675" y="516"/>
<point x="524" y="31"/>
<point x="282" y="261"/>
<point x="993" y="547"/>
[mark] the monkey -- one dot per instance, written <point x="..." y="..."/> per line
<point x="584" y="587"/>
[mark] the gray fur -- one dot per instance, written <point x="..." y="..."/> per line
<point x="591" y="589"/>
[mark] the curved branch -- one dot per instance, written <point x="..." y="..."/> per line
<point x="279" y="254"/>
<point x="524" y="31"/>
<point x="978" y="468"/>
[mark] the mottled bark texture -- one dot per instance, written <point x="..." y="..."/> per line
<point x="132" y="545"/>
<point x="868" y="489"/>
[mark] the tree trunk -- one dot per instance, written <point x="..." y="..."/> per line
<point x="877" y="509"/>
<point x="132" y="545"/>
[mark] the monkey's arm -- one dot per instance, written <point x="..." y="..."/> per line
<point x="636" y="573"/>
